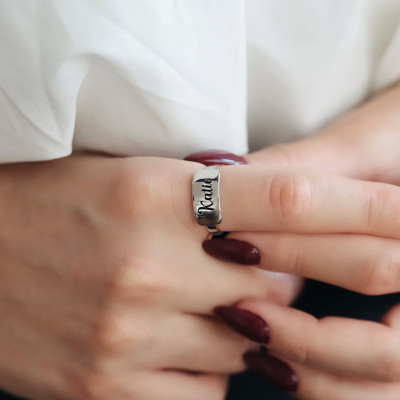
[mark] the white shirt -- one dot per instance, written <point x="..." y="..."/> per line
<point x="169" y="77"/>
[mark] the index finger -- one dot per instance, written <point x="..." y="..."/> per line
<point x="293" y="200"/>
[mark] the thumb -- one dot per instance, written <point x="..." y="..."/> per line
<point x="324" y="153"/>
<point x="363" y="144"/>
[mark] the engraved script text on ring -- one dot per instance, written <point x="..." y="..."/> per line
<point x="207" y="203"/>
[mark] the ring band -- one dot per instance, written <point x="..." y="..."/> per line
<point x="206" y="199"/>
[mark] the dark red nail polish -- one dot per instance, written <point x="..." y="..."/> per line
<point x="272" y="369"/>
<point x="215" y="157"/>
<point x="245" y="322"/>
<point x="233" y="250"/>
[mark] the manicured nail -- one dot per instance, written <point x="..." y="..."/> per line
<point x="215" y="157"/>
<point x="244" y="322"/>
<point x="233" y="250"/>
<point x="273" y="370"/>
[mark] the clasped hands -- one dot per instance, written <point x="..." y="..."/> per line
<point x="343" y="230"/>
<point x="106" y="290"/>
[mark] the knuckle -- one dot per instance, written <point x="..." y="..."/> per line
<point x="148" y="188"/>
<point x="373" y="208"/>
<point x="108" y="336"/>
<point x="128" y="274"/>
<point x="381" y="275"/>
<point x="295" y="261"/>
<point x="136" y="279"/>
<point x="290" y="195"/>
<point x="114" y="335"/>
<point x="301" y="352"/>
<point x="378" y="202"/>
<point x="305" y="351"/>
<point x="146" y="278"/>
<point x="129" y="191"/>
<point x="91" y="386"/>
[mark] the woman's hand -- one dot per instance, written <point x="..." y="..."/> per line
<point x="363" y="144"/>
<point x="335" y="229"/>
<point x="105" y="290"/>
<point x="315" y="236"/>
<point x="330" y="358"/>
<point x="299" y="219"/>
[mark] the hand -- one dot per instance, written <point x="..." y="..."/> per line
<point x="333" y="358"/>
<point x="287" y="209"/>
<point x="105" y="291"/>
<point x="363" y="144"/>
<point x="330" y="358"/>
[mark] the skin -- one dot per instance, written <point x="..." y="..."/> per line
<point x="344" y="230"/>
<point x="105" y="290"/>
<point x="107" y="293"/>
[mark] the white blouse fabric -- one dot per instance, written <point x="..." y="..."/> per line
<point x="169" y="77"/>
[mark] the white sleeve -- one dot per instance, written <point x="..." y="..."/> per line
<point x="185" y="60"/>
<point x="38" y="83"/>
<point x="388" y="70"/>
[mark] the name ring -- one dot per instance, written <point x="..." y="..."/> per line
<point x="206" y="198"/>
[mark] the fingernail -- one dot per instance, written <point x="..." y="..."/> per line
<point x="244" y="322"/>
<point x="215" y="157"/>
<point x="233" y="250"/>
<point x="272" y="369"/>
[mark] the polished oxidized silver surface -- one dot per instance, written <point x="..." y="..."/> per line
<point x="206" y="199"/>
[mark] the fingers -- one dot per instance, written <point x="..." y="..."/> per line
<point x="307" y="383"/>
<point x="185" y="278"/>
<point x="360" y="349"/>
<point x="199" y="343"/>
<point x="351" y="146"/>
<point x="171" y="385"/>
<point x="213" y="282"/>
<point x="262" y="199"/>
<point x="362" y="263"/>
<point x="160" y="385"/>
<point x="317" y="385"/>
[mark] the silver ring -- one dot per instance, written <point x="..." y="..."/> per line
<point x="206" y="199"/>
